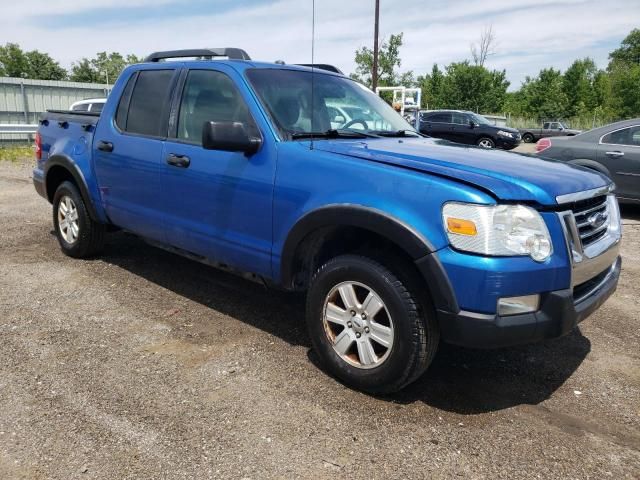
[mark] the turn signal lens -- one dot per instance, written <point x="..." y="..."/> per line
<point x="461" y="226"/>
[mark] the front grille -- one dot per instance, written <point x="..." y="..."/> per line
<point x="592" y="219"/>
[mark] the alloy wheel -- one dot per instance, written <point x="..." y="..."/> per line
<point x="68" y="219"/>
<point x="358" y="325"/>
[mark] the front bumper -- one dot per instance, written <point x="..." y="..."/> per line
<point x="557" y="316"/>
<point x="508" y="143"/>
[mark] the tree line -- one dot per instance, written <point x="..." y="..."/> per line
<point x="103" y="68"/>
<point x="583" y="92"/>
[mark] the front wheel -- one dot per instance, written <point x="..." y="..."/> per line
<point x="367" y="327"/>
<point x="486" y="142"/>
<point x="78" y="234"/>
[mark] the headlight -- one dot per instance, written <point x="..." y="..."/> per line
<point x="502" y="133"/>
<point x="500" y="230"/>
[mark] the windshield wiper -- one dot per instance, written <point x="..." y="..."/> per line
<point x="333" y="133"/>
<point x="397" y="133"/>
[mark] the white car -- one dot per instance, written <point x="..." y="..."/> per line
<point x="93" y="105"/>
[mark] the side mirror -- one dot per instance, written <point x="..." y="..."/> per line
<point x="230" y="137"/>
<point x="472" y="124"/>
<point x="339" y="119"/>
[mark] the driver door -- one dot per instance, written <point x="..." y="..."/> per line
<point x="218" y="204"/>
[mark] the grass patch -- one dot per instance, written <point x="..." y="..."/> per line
<point x="16" y="154"/>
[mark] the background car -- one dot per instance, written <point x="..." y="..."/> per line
<point x="469" y="128"/>
<point x="89" y="105"/>
<point x="549" y="129"/>
<point x="613" y="150"/>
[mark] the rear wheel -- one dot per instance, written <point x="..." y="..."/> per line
<point x="486" y="142"/>
<point x="527" y="138"/>
<point x="367" y="327"/>
<point x="78" y="234"/>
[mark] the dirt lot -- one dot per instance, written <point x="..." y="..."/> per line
<point x="142" y="364"/>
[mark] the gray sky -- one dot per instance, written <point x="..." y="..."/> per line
<point x="531" y="34"/>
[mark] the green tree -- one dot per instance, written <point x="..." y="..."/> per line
<point x="629" y="51"/>
<point x="543" y="96"/>
<point x="625" y="89"/>
<point x="578" y="87"/>
<point x="43" y="67"/>
<point x="104" y="68"/>
<point x="388" y="61"/>
<point x="14" y="62"/>
<point x="473" y="87"/>
<point x="431" y="85"/>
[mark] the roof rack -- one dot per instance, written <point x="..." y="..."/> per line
<point x="206" y="53"/>
<point x="322" y="66"/>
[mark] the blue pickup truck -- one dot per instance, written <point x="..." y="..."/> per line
<point x="400" y="241"/>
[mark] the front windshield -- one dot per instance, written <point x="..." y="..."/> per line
<point x="340" y="104"/>
<point x="479" y="119"/>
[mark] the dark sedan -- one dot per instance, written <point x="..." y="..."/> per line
<point x="467" y="127"/>
<point x="613" y="150"/>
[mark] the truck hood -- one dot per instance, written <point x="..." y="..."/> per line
<point x="507" y="175"/>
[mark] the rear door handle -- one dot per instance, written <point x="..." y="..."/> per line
<point x="105" y="146"/>
<point x="181" y="161"/>
<point x="615" y="154"/>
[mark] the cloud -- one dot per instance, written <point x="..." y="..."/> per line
<point x="531" y="34"/>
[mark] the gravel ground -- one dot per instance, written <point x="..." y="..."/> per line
<point x="142" y="364"/>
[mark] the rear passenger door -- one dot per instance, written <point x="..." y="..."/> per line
<point x="127" y="152"/>
<point x="619" y="151"/>
<point x="461" y="132"/>
<point x="218" y="204"/>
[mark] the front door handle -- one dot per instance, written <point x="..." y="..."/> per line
<point x="105" y="146"/>
<point x="615" y="154"/>
<point x="181" y="161"/>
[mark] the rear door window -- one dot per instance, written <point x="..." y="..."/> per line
<point x="83" y="107"/>
<point x="440" y="117"/>
<point x="147" y="112"/>
<point x="459" y="119"/>
<point x="96" y="107"/>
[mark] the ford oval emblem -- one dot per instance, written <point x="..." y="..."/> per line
<point x="597" y="219"/>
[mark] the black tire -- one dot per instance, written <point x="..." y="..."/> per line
<point x="527" y="138"/>
<point x="90" y="237"/>
<point x="416" y="335"/>
<point x="489" y="142"/>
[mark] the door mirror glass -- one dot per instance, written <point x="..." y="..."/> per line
<point x="229" y="136"/>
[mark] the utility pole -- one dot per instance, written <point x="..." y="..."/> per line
<point x="374" y="70"/>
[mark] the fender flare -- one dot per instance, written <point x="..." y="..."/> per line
<point x="396" y="231"/>
<point x="68" y="164"/>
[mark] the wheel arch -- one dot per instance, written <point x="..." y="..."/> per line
<point x="61" y="168"/>
<point x="346" y="228"/>
<point x="344" y="216"/>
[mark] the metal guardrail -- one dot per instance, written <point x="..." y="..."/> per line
<point x="18" y="128"/>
